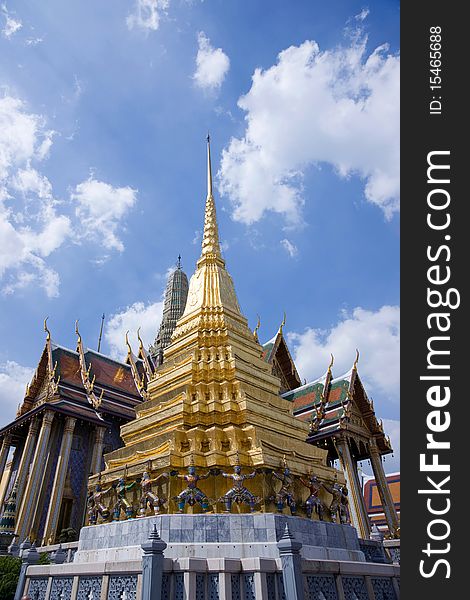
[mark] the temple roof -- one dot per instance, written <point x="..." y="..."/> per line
<point x="82" y="383"/>
<point x="337" y="404"/>
<point x="276" y="353"/>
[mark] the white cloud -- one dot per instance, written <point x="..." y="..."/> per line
<point x="30" y="227"/>
<point x="146" y="316"/>
<point x="100" y="208"/>
<point x="212" y="64"/>
<point x="33" y="223"/>
<point x="362" y="16"/>
<point x="289" y="247"/>
<point x="13" y="381"/>
<point x="337" y="106"/>
<point x="147" y="14"/>
<point x="11" y="25"/>
<point x="34" y="41"/>
<point x="377" y="336"/>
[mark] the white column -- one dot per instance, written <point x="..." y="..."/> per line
<point x="55" y="500"/>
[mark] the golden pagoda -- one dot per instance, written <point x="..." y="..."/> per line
<point x="214" y="401"/>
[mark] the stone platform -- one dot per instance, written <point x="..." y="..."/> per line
<point x="217" y="536"/>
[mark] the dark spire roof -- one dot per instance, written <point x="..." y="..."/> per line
<point x="176" y="294"/>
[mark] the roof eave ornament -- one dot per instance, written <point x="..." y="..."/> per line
<point x="138" y="380"/>
<point x="356" y="360"/>
<point x="85" y="374"/>
<point x="143" y="354"/>
<point x="49" y="346"/>
<point x="281" y="326"/>
<point x="331" y="363"/>
<point x="255" y="331"/>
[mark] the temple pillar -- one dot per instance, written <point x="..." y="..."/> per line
<point x="31" y="492"/>
<point x="4" y="450"/>
<point x="357" y="506"/>
<point x="55" y="500"/>
<point x="382" y="486"/>
<point x="97" y="456"/>
<point x="23" y="467"/>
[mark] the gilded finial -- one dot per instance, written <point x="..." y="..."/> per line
<point x="283" y="323"/>
<point x="129" y="349"/>
<point x="141" y="343"/>
<point x="356" y="360"/>
<point x="255" y="332"/>
<point x="48" y="337"/>
<point x="178" y="263"/>
<point x="331" y="363"/>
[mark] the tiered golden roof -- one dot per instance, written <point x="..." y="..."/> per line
<point x="214" y="400"/>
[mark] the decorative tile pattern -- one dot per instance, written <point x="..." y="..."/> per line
<point x="37" y="589"/>
<point x="78" y="467"/>
<point x="271" y="586"/>
<point x="200" y="586"/>
<point x="179" y="586"/>
<point x="383" y="588"/>
<point x="280" y="587"/>
<point x="249" y="586"/>
<point x="320" y="587"/>
<point x="355" y="588"/>
<point x="122" y="587"/>
<point x="165" y="585"/>
<point x="89" y="588"/>
<point x="213" y="586"/>
<point x="61" y="588"/>
<point x="236" y="595"/>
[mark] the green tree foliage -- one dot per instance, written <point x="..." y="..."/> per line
<point x="9" y="573"/>
<point x="44" y="559"/>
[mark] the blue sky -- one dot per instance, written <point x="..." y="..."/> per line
<point x="104" y="108"/>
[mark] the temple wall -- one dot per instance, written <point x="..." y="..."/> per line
<point x="214" y="579"/>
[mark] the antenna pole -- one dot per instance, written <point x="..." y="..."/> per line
<point x="101" y="332"/>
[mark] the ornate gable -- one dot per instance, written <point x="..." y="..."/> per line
<point x="276" y="353"/>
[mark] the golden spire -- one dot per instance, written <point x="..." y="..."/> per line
<point x="210" y="239"/>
